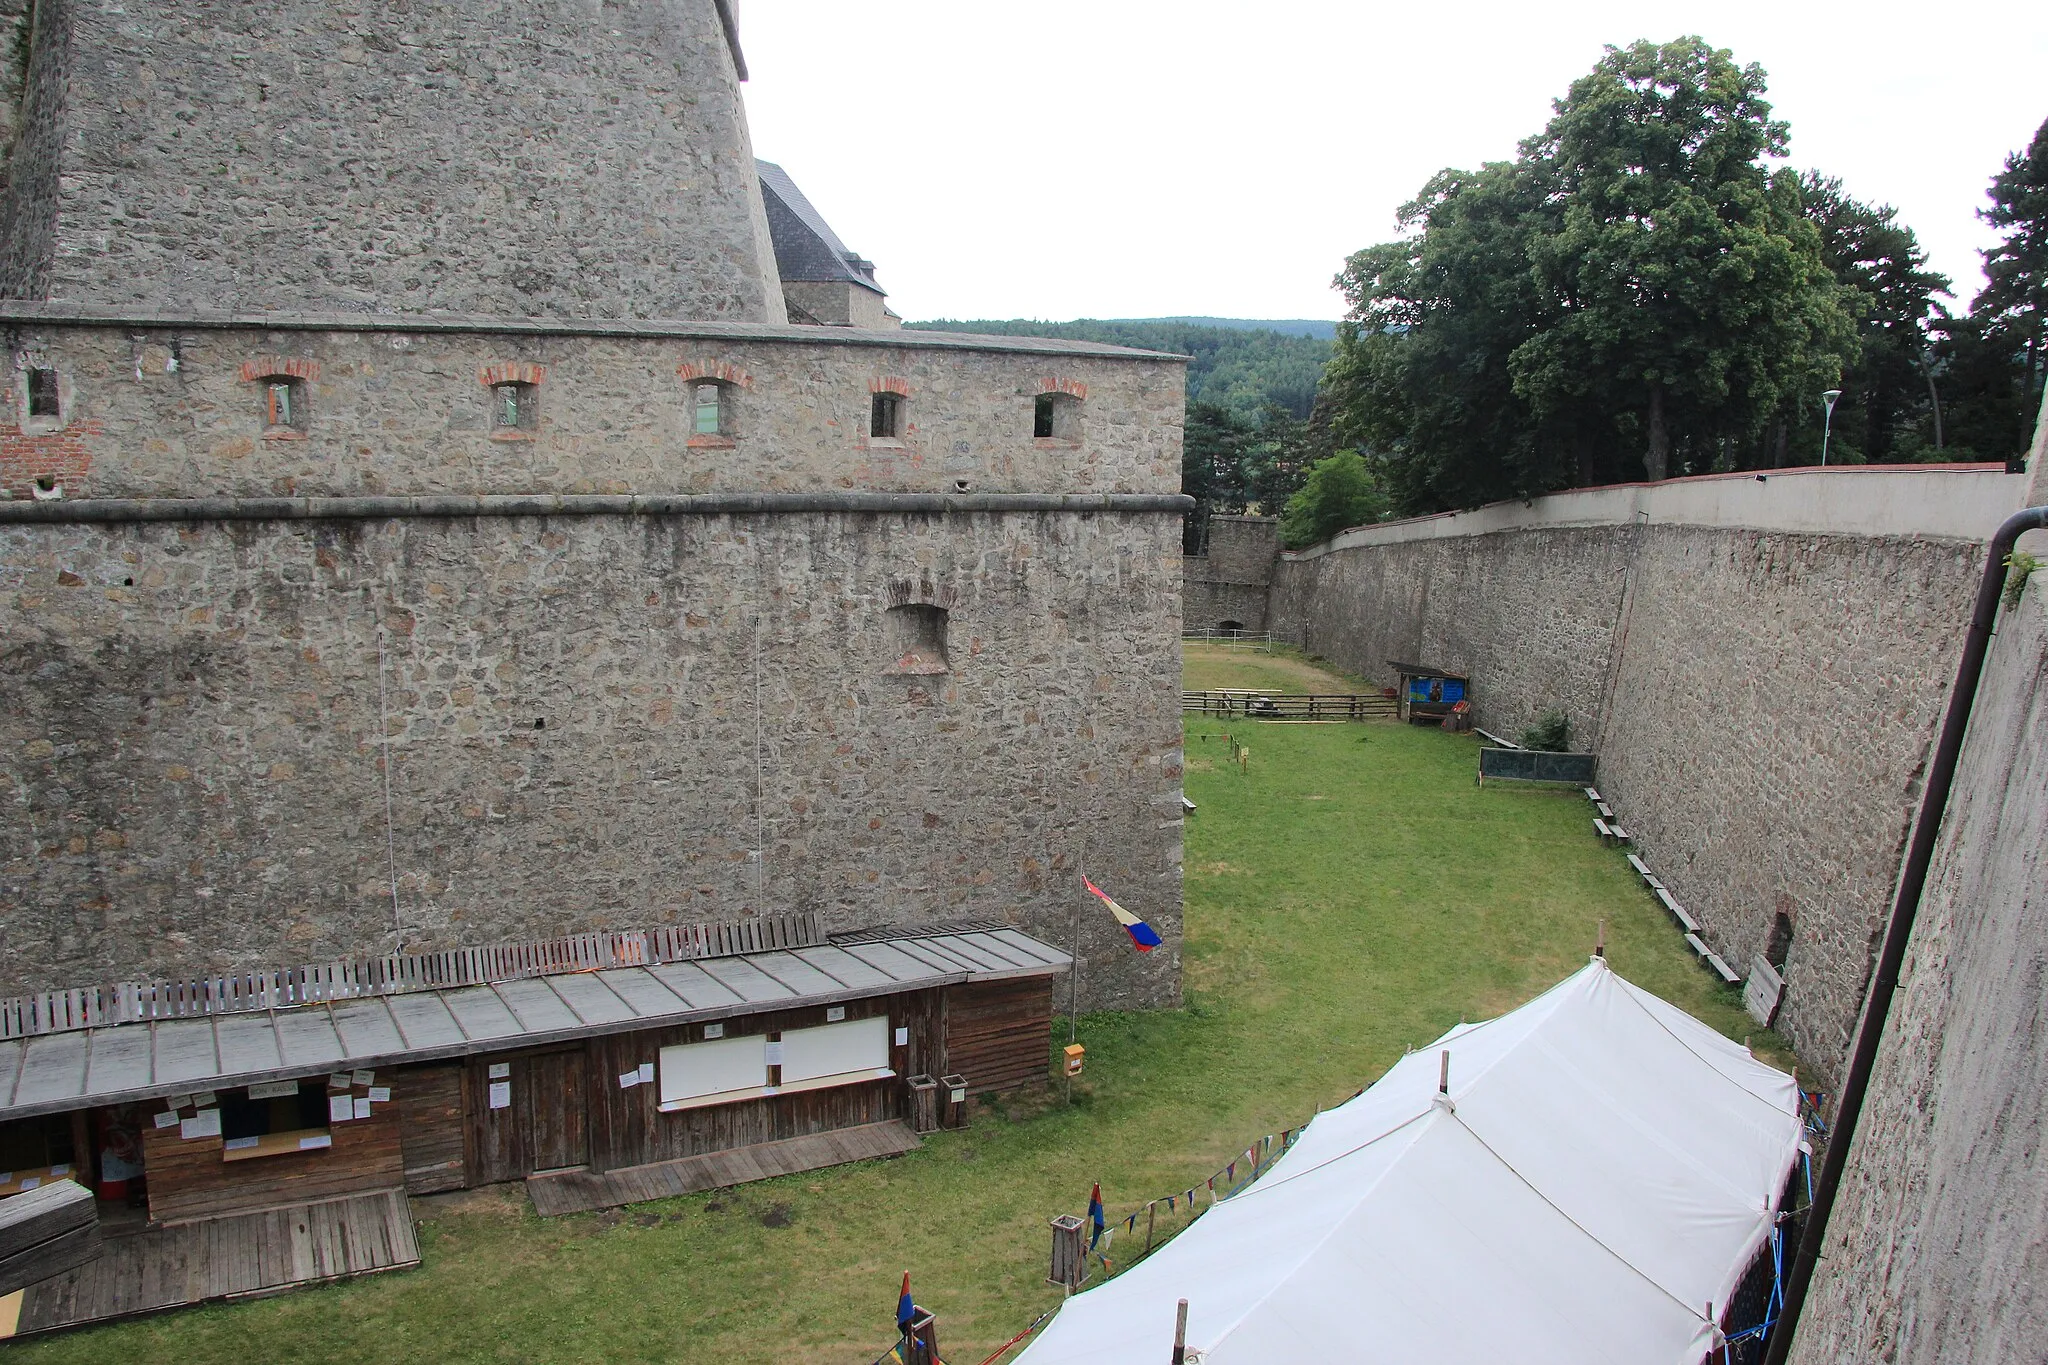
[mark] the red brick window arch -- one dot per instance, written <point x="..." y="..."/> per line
<point x="713" y="388"/>
<point x="514" y="387"/>
<point x="285" y="391"/>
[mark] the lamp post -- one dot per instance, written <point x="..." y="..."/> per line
<point x="1827" y="423"/>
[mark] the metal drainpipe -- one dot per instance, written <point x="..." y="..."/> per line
<point x="1912" y="880"/>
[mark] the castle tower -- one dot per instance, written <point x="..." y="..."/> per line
<point x="559" y="158"/>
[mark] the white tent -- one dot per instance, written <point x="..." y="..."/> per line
<point x="1603" y="1168"/>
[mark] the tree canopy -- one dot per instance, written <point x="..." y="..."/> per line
<point x="1996" y="359"/>
<point x="1636" y="294"/>
<point x="1340" y="492"/>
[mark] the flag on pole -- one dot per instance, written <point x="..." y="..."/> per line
<point x="905" y="1309"/>
<point x="1095" y="1214"/>
<point x="1143" y="936"/>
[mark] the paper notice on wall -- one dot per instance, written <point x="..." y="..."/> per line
<point x="204" y="1124"/>
<point x="362" y="1107"/>
<point x="629" y="1079"/>
<point x="500" y="1070"/>
<point x="380" y="1094"/>
<point x="363" y="1076"/>
<point x="317" y="1140"/>
<point x="714" y="1031"/>
<point x="62" y="1168"/>
<point x="773" y="1053"/>
<point x="167" y="1119"/>
<point x="179" y="1101"/>
<point x="204" y="1098"/>
<point x="501" y="1094"/>
<point x="647" y="1073"/>
<point x="903" y="1037"/>
<point x="338" y="1081"/>
<point x="834" y="1013"/>
<point x="273" y="1090"/>
<point x="240" y="1144"/>
<point x="32" y="1182"/>
<point x="340" y="1108"/>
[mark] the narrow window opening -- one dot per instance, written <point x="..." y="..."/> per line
<point x="1779" y="946"/>
<point x="1056" y="417"/>
<point x="709" y="411"/>
<point x="43" y="398"/>
<point x="917" y="633"/>
<point x="515" y="407"/>
<point x="885" y="417"/>
<point x="1041" y="417"/>
<point x="284" y="405"/>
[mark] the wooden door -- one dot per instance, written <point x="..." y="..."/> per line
<point x="557" y="1134"/>
<point x="541" y="1122"/>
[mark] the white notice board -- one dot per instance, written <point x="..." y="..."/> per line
<point x="856" y="1051"/>
<point x="696" y="1071"/>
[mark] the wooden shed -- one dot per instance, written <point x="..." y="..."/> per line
<point x="1426" y="695"/>
<point x="698" y="1061"/>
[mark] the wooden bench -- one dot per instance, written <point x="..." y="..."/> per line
<point x="1606" y="813"/>
<point x="1641" y="867"/>
<point x="1723" y="970"/>
<point x="1621" y="836"/>
<point x="1593" y="795"/>
<point x="1600" y="828"/>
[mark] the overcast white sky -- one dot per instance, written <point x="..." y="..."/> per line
<point x="1142" y="158"/>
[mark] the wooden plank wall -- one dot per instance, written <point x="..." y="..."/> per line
<point x="430" y="1127"/>
<point x="999" y="1033"/>
<point x="627" y="1127"/>
<point x="544" y="1126"/>
<point x="188" y="1179"/>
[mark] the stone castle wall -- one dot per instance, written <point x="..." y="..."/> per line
<point x="1230" y="581"/>
<point x="198" y="719"/>
<point x="563" y="160"/>
<point x="1762" y="699"/>
<point x="1938" y="1247"/>
<point x="239" y="735"/>
<point x="163" y="410"/>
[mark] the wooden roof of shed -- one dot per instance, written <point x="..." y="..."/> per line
<point x="119" y="1063"/>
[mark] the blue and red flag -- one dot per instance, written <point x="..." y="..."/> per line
<point x="905" y="1309"/>
<point x="1095" y="1214"/>
<point x="1143" y="936"/>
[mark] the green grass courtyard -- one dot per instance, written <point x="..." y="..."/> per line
<point x="1349" y="896"/>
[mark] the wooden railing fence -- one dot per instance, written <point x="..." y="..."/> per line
<point x="395" y="973"/>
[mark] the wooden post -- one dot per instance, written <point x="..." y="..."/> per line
<point x="1180" y="1333"/>
<point x="1600" y="943"/>
<point x="1069" y="1251"/>
<point x="922" y="1343"/>
<point x="1443" y="1074"/>
<point x="1151" y="1212"/>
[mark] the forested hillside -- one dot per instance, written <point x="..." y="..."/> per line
<point x="1240" y="366"/>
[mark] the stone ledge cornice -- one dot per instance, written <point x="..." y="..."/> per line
<point x="448" y="506"/>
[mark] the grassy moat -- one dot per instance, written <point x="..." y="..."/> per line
<point x="1349" y="896"/>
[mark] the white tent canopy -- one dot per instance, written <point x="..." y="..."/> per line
<point x="1605" y="1168"/>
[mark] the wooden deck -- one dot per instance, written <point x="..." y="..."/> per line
<point x="560" y="1192"/>
<point x="222" y="1258"/>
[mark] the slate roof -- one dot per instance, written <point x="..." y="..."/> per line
<point x="120" y="1063"/>
<point x="806" y="247"/>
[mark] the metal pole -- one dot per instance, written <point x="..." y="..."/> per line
<point x="1884" y="980"/>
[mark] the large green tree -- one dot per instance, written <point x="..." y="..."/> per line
<point x="1637" y="293"/>
<point x="1997" y="357"/>
<point x="1889" y="409"/>
<point x="1339" y="492"/>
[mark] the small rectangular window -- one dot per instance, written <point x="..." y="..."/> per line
<point x="42" y="393"/>
<point x="885" y="417"/>
<point x="281" y="404"/>
<point x="508" y="405"/>
<point x="1041" y="417"/>
<point x="284" y="406"/>
<point x="709" y="417"/>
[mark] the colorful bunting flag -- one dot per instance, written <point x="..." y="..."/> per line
<point x="1143" y="936"/>
<point x="1095" y="1213"/>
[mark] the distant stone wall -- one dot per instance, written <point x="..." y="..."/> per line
<point x="1230" y="581"/>
<point x="222" y="744"/>
<point x="563" y="160"/>
<point x="1762" y="699"/>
